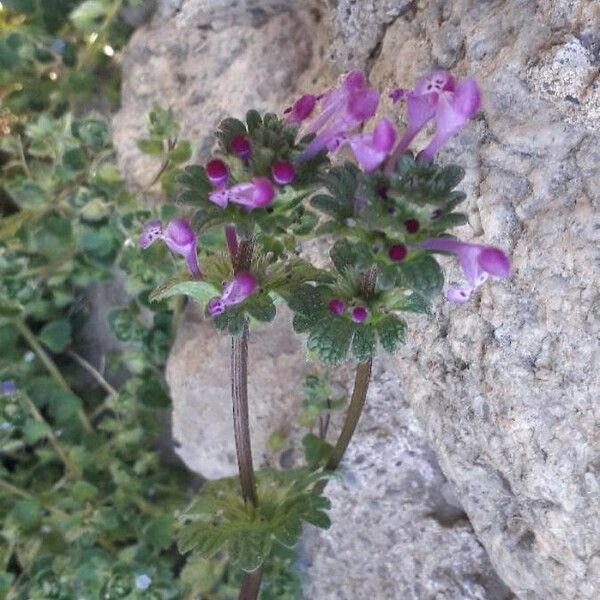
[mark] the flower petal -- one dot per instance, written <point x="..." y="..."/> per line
<point x="458" y="295"/>
<point x="152" y="231"/>
<point x="494" y="261"/>
<point x="239" y="288"/>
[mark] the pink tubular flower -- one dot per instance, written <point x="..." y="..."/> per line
<point x="342" y="109"/>
<point x="478" y="262"/>
<point x="236" y="291"/>
<point x="371" y="149"/>
<point x="301" y="109"/>
<point x="179" y="238"/>
<point x="436" y="95"/>
<point x="257" y="193"/>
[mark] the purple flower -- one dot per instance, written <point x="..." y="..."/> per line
<point x="436" y="95"/>
<point x="336" y="306"/>
<point x="179" y="238"/>
<point x="257" y="193"/>
<point x="283" y="172"/>
<point x="236" y="291"/>
<point x="217" y="172"/>
<point x="342" y="109"/>
<point x="7" y="387"/>
<point x="478" y="262"/>
<point x="359" y="314"/>
<point x="301" y="109"/>
<point x="371" y="149"/>
<point x="240" y="146"/>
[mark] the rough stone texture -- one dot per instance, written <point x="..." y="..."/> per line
<point x="205" y="75"/>
<point x="358" y="28"/>
<point x="398" y="529"/>
<point x="506" y="388"/>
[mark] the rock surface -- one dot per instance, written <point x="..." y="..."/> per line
<point x="505" y="387"/>
<point x="198" y="376"/>
<point x="398" y="529"/>
<point x="205" y="75"/>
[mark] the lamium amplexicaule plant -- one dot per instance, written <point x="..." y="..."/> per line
<point x="269" y="187"/>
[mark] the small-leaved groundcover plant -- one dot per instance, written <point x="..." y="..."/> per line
<point x="269" y="186"/>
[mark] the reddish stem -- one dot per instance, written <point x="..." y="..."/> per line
<point x="232" y="241"/>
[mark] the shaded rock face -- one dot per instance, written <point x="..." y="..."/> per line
<point x="506" y="387"/>
<point x="398" y="530"/>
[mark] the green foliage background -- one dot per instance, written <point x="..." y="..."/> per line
<point x="88" y="493"/>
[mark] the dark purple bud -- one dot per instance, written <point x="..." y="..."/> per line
<point x="436" y="214"/>
<point x="240" y="146"/>
<point x="397" y="252"/>
<point x="412" y="225"/>
<point x="217" y="172"/>
<point x="359" y="314"/>
<point x="336" y="306"/>
<point x="283" y="172"/>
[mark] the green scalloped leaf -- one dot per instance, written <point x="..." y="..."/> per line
<point x="219" y="520"/>
<point x="364" y="342"/>
<point x="261" y="307"/>
<point x="391" y="331"/>
<point x="422" y="274"/>
<point x="330" y="338"/>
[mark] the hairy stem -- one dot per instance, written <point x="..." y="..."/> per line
<point x="357" y="402"/>
<point x="241" y="425"/>
<point x="242" y="260"/>
<point x="251" y="585"/>
<point x="232" y="241"/>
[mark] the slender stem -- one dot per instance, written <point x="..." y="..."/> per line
<point x="241" y="426"/>
<point x="232" y="241"/>
<point x="37" y="415"/>
<point x="361" y="386"/>
<point x="88" y="54"/>
<point x="357" y="402"/>
<point x="50" y="366"/>
<point x="251" y="585"/>
<point x="93" y="372"/>
<point x="23" y="158"/>
<point x="242" y="260"/>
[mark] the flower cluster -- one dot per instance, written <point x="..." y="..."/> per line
<point x="438" y="97"/>
<point x="391" y="203"/>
